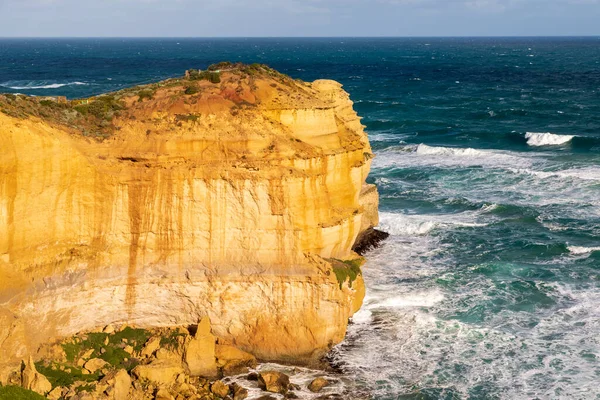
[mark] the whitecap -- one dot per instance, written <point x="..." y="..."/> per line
<point x="424" y="149"/>
<point x="34" y="85"/>
<point x="362" y="316"/>
<point x="420" y="225"/>
<point x="582" y="250"/>
<point x="547" y="139"/>
<point x="587" y="174"/>
<point x="404" y="225"/>
<point x="419" y="299"/>
<point x="489" y="207"/>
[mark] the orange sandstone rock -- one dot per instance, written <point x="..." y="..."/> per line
<point x="225" y="203"/>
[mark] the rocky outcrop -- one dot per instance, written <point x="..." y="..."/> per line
<point x="199" y="352"/>
<point x="317" y="384"/>
<point x="161" y="374"/>
<point x="32" y="380"/>
<point x="273" y="381"/>
<point x="162" y="205"/>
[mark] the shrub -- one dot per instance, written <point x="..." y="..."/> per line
<point x="195" y="75"/>
<point x="214" y="77"/>
<point x="47" y="103"/>
<point x="187" y="117"/>
<point x="220" y="66"/>
<point x="145" y="94"/>
<point x="82" y="109"/>
<point x="192" y="89"/>
<point x="98" y="109"/>
<point x="346" y="270"/>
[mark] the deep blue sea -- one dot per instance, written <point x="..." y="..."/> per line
<point x="488" y="165"/>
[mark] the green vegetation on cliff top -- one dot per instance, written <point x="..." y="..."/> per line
<point x="93" y="117"/>
<point x="18" y="393"/>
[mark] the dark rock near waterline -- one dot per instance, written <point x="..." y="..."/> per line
<point x="318" y="384"/>
<point x="333" y="396"/>
<point x="219" y="388"/>
<point x="368" y="240"/>
<point x="239" y="392"/>
<point x="252" y="376"/>
<point x="274" y="382"/>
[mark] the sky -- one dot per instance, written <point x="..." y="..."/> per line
<point x="268" y="18"/>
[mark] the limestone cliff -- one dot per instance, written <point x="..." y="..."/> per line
<point x="159" y="205"/>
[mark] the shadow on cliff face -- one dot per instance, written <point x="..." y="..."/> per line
<point x="369" y="240"/>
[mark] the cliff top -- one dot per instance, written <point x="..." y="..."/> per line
<point x="230" y="119"/>
<point x="224" y="88"/>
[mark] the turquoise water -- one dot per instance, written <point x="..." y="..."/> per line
<point x="489" y="285"/>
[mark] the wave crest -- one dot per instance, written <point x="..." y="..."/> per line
<point x="547" y="139"/>
<point x="421" y="225"/>
<point x="449" y="151"/>
<point x="39" y="85"/>
<point x="582" y="250"/>
<point x="404" y="225"/>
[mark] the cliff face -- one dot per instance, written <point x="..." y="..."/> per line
<point x="228" y="202"/>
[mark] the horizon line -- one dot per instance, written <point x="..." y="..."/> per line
<point x="303" y="37"/>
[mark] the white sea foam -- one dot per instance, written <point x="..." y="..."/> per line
<point x="489" y="207"/>
<point x="404" y="225"/>
<point x="552" y="226"/>
<point x="588" y="174"/>
<point x="419" y="299"/>
<point x="420" y="225"/>
<point x="582" y="250"/>
<point x="547" y="139"/>
<point x="299" y="376"/>
<point x="34" y="86"/>
<point x="424" y="149"/>
<point x="414" y="156"/>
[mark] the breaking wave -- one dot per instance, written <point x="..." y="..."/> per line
<point x="582" y="250"/>
<point x="424" y="149"/>
<point x="39" y="85"/>
<point x="419" y="225"/>
<point x="547" y="139"/>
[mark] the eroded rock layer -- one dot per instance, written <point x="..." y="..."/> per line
<point x="221" y="199"/>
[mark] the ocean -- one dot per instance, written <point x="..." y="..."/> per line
<point x="488" y="165"/>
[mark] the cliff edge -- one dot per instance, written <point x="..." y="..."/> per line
<point x="236" y="194"/>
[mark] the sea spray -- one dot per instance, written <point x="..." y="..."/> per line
<point x="547" y="139"/>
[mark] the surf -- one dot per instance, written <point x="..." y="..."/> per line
<point x="547" y="139"/>
<point x="37" y="85"/>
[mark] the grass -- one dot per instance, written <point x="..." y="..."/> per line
<point x="85" y="388"/>
<point x="18" y="393"/>
<point x="113" y="352"/>
<point x="137" y="338"/>
<point x="57" y="377"/>
<point x="347" y="270"/>
<point x="171" y="341"/>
